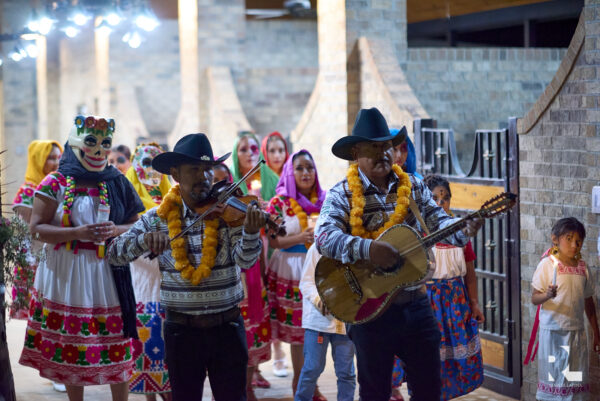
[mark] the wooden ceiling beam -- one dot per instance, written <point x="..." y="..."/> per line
<point x="425" y="10"/>
<point x="556" y="9"/>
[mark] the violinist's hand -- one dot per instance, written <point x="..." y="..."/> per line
<point x="158" y="242"/>
<point x="255" y="219"/>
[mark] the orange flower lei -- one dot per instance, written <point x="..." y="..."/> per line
<point x="358" y="202"/>
<point x="170" y="210"/>
<point x="301" y="214"/>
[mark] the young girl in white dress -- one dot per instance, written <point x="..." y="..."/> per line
<point x="562" y="286"/>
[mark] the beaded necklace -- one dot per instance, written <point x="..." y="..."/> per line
<point x="68" y="204"/>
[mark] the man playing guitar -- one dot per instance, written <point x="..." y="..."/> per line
<point x="375" y="196"/>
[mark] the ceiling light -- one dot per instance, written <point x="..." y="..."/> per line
<point x="45" y="25"/>
<point x="32" y="50"/>
<point x="104" y="28"/>
<point x="135" y="40"/>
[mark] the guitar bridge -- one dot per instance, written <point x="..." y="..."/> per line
<point x="353" y="283"/>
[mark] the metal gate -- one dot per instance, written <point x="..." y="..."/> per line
<point x="495" y="168"/>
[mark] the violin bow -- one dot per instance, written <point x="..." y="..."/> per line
<point x="221" y="200"/>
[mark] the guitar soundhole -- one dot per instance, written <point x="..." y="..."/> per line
<point x="391" y="271"/>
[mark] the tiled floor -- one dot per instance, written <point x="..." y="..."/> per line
<point x="31" y="387"/>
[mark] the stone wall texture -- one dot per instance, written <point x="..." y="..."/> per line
<point x="558" y="164"/>
<point x="477" y="88"/>
<point x="281" y="60"/>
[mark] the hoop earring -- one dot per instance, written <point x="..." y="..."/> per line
<point x="554" y="250"/>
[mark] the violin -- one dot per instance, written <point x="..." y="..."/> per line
<point x="234" y="212"/>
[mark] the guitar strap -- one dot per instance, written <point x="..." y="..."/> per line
<point x="414" y="208"/>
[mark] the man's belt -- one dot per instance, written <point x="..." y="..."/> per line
<point x="405" y="296"/>
<point x="203" y="321"/>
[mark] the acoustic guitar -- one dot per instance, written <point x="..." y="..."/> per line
<point x="359" y="292"/>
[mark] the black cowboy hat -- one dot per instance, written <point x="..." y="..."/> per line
<point x="370" y="126"/>
<point x="192" y="148"/>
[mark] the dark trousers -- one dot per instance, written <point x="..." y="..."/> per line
<point x="221" y="351"/>
<point x="409" y="331"/>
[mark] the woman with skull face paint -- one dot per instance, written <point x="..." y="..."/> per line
<point x="78" y="327"/>
<point x="151" y="376"/>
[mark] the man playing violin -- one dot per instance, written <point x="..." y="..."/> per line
<point x="200" y="274"/>
<point x="377" y="194"/>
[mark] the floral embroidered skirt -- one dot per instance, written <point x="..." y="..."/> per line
<point x="563" y="365"/>
<point x="258" y="334"/>
<point x="285" y="299"/>
<point x="74" y="331"/>
<point x="460" y="348"/>
<point x="151" y="374"/>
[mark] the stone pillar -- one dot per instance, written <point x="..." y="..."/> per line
<point x="42" y="87"/>
<point x="19" y="86"/>
<point x="78" y="88"/>
<point x="102" y="101"/>
<point x="337" y="97"/>
<point x="188" y="120"/>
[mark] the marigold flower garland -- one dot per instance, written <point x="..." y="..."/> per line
<point x="170" y="210"/>
<point x="301" y="214"/>
<point x="358" y="202"/>
<point x="68" y="204"/>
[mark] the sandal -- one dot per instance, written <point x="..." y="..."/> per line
<point x="259" y="381"/>
<point x="250" y="396"/>
<point x="397" y="396"/>
<point x="317" y="396"/>
<point x="279" y="367"/>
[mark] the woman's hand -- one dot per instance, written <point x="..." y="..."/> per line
<point x="307" y="236"/>
<point x="477" y="313"/>
<point x="551" y="291"/>
<point x="97" y="232"/>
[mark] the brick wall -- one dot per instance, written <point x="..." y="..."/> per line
<point x="281" y="68"/>
<point x="152" y="73"/>
<point x="478" y="88"/>
<point x="558" y="164"/>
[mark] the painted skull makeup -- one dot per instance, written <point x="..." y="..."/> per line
<point x="91" y="139"/>
<point x="142" y="164"/>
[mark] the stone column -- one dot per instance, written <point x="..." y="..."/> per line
<point x="42" y="87"/>
<point x="102" y="103"/>
<point x="336" y="99"/>
<point x="188" y="120"/>
<point x="19" y="120"/>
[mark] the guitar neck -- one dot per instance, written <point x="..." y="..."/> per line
<point x="432" y="239"/>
